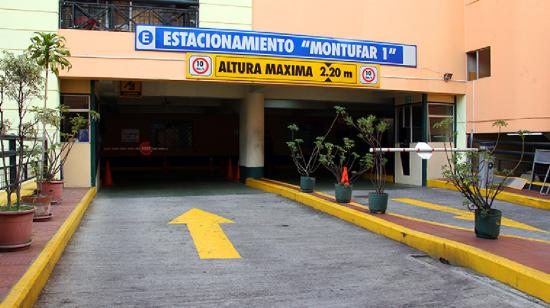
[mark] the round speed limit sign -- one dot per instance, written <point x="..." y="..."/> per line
<point x="200" y="66"/>
<point x="368" y="75"/>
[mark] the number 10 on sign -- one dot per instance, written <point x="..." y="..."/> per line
<point x="200" y="66"/>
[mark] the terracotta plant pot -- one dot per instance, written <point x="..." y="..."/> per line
<point x="53" y="189"/>
<point x="42" y="205"/>
<point x="16" y="229"/>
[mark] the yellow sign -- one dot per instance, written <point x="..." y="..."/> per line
<point x="209" y="238"/>
<point x="281" y="70"/>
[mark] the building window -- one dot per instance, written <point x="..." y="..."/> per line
<point x="77" y="105"/>
<point x="479" y="63"/>
<point x="436" y="113"/>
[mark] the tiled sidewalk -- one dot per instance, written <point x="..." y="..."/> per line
<point x="14" y="264"/>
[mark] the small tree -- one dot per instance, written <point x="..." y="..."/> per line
<point x="21" y="81"/>
<point x="307" y="166"/>
<point x="371" y="130"/>
<point x="335" y="157"/>
<point x="49" y="52"/>
<point x="59" y="143"/>
<point x="463" y="170"/>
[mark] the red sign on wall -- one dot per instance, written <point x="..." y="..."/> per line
<point x="145" y="148"/>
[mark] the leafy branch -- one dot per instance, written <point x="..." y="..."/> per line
<point x="371" y="131"/>
<point x="463" y="169"/>
<point x="335" y="157"/>
<point x="307" y="166"/>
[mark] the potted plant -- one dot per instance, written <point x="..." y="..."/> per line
<point x="307" y="166"/>
<point x="20" y="82"/>
<point x="370" y="130"/>
<point x="471" y="175"/>
<point x="48" y="50"/>
<point x="59" y="145"/>
<point x="341" y="160"/>
<point x="42" y="203"/>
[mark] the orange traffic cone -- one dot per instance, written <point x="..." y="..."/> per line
<point x="345" y="179"/>
<point x="229" y="170"/>
<point x="237" y="172"/>
<point x="107" y="179"/>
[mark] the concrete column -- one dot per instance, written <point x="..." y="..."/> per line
<point x="251" y="136"/>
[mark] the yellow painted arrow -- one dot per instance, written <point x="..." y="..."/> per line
<point x="465" y="215"/>
<point x="209" y="238"/>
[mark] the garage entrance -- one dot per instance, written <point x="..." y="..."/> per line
<point x="170" y="131"/>
<point x="159" y="137"/>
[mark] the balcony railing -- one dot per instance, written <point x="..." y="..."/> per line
<point x="123" y="17"/>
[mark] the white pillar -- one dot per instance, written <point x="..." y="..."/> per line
<point x="251" y="136"/>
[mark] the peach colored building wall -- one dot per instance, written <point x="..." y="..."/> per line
<point x="435" y="26"/>
<point x="111" y="55"/>
<point x="518" y="89"/>
<point x="99" y="54"/>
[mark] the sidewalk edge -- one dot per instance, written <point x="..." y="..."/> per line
<point x="503" y="196"/>
<point x="514" y="274"/>
<point x="26" y="291"/>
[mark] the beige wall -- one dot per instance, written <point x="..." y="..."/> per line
<point x="103" y="54"/>
<point x="225" y="14"/>
<point x="76" y="171"/>
<point x="517" y="32"/>
<point x="439" y="36"/>
<point x="19" y="20"/>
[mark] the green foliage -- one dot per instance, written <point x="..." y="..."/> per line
<point x="335" y="157"/>
<point x="59" y="143"/>
<point x="308" y="165"/>
<point x="48" y="50"/>
<point x="463" y="168"/>
<point x="371" y="130"/>
<point x="21" y="78"/>
<point x="20" y="81"/>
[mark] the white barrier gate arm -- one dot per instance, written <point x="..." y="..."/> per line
<point x="423" y="150"/>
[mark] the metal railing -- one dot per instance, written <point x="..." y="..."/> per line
<point x="506" y="158"/>
<point x="122" y="17"/>
<point x="10" y="156"/>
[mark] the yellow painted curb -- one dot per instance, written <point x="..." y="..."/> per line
<point x="503" y="196"/>
<point x="519" y="276"/>
<point x="28" y="288"/>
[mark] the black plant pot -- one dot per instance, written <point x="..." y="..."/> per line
<point x="307" y="184"/>
<point x="343" y="193"/>
<point x="378" y="203"/>
<point x="488" y="226"/>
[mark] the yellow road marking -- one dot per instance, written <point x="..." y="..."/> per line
<point x="465" y="229"/>
<point x="465" y="215"/>
<point x="209" y="238"/>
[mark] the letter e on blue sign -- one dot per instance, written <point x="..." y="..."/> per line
<point x="145" y="37"/>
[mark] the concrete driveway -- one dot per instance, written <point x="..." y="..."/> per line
<point x="126" y="254"/>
